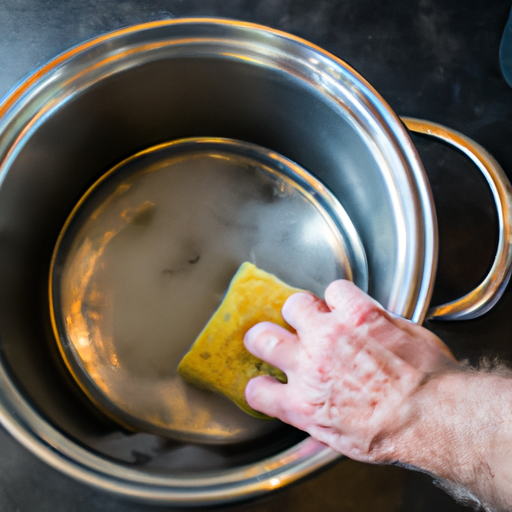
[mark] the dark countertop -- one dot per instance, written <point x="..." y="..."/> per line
<point x="435" y="59"/>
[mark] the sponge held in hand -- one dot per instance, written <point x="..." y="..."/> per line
<point x="218" y="360"/>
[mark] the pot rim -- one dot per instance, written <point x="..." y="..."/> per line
<point x="52" y="446"/>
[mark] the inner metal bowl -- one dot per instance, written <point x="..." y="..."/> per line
<point x="146" y="256"/>
<point x="121" y="93"/>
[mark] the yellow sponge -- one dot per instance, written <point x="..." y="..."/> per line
<point x="218" y="359"/>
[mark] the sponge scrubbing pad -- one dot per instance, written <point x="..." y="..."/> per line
<point x="218" y="360"/>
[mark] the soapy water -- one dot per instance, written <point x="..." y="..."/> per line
<point x="147" y="258"/>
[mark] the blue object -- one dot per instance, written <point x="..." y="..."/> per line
<point x="506" y="51"/>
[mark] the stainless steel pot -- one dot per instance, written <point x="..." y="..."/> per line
<point x="107" y="99"/>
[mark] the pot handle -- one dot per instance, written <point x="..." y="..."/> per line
<point x="487" y="293"/>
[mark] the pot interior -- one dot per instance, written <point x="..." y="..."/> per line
<point x="147" y="255"/>
<point x="146" y="87"/>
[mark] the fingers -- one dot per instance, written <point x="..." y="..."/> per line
<point x="272" y="343"/>
<point x="414" y="344"/>
<point x="350" y="304"/>
<point x="277" y="400"/>
<point x="265" y="394"/>
<point x="301" y="309"/>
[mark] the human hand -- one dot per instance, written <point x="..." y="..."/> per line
<point x="352" y="369"/>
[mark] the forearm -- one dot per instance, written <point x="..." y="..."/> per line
<point x="459" y="429"/>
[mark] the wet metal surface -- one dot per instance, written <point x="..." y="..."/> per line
<point x="145" y="258"/>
